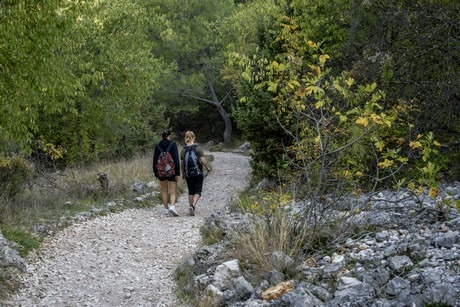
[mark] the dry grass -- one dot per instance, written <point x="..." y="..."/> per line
<point x="83" y="182"/>
<point x="47" y="200"/>
<point x="277" y="233"/>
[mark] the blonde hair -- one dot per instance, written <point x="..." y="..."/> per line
<point x="189" y="137"/>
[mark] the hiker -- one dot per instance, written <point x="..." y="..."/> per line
<point x="166" y="167"/>
<point x="192" y="163"/>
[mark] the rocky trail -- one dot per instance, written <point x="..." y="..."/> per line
<point x="127" y="258"/>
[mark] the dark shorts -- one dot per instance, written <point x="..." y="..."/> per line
<point x="195" y="185"/>
<point x="172" y="178"/>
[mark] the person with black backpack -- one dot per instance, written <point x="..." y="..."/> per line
<point x="166" y="168"/>
<point x="192" y="162"/>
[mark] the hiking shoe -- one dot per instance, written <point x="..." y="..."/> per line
<point x="192" y="210"/>
<point x="165" y="212"/>
<point x="173" y="211"/>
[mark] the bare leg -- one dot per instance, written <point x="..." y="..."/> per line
<point x="195" y="199"/>
<point x="173" y="191"/>
<point x="164" y="193"/>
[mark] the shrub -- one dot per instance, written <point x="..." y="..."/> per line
<point x="274" y="229"/>
<point x="15" y="172"/>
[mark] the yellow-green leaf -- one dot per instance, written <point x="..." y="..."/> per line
<point x="386" y="163"/>
<point x="313" y="89"/>
<point x="272" y="86"/>
<point x="380" y="145"/>
<point x="376" y="119"/>
<point x="350" y="81"/>
<point x="415" y="144"/>
<point x="319" y="104"/>
<point x="362" y="121"/>
<point x="323" y="58"/>
<point x="246" y="76"/>
<point x="317" y="139"/>
<point x="433" y="192"/>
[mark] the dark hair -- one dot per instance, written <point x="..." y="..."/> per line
<point x="165" y="134"/>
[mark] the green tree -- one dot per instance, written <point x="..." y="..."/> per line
<point x="335" y="133"/>
<point x="79" y="75"/>
<point x="255" y="27"/>
<point x="251" y="26"/>
<point x="192" y="38"/>
<point x="30" y="81"/>
<point x="411" y="49"/>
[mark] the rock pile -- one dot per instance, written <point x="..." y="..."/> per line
<point x="411" y="258"/>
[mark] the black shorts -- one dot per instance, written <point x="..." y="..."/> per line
<point x="172" y="178"/>
<point x="195" y="185"/>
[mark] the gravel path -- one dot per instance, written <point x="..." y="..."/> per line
<point x="128" y="258"/>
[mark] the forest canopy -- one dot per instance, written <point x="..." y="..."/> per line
<point x="326" y="91"/>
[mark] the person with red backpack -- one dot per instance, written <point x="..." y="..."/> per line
<point x="166" y="168"/>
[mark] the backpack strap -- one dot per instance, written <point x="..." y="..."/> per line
<point x="167" y="149"/>
<point x="169" y="146"/>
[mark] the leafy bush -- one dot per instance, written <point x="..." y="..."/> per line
<point x="15" y="172"/>
<point x="339" y="135"/>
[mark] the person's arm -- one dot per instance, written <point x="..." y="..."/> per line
<point x="203" y="160"/>
<point x="175" y="154"/>
<point x="156" y="153"/>
<point x="182" y="155"/>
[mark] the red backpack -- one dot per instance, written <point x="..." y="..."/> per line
<point x="165" y="163"/>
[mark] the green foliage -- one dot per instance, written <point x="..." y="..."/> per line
<point x="410" y="49"/>
<point x="211" y="235"/>
<point x="183" y="276"/>
<point x="254" y="116"/>
<point x="29" y="80"/>
<point x="254" y="112"/>
<point x="257" y="46"/>
<point x="191" y="36"/>
<point x="428" y="160"/>
<point x="78" y="74"/>
<point x="15" y="172"/>
<point x="333" y="132"/>
<point x="264" y="203"/>
<point x="324" y="21"/>
<point x="27" y="241"/>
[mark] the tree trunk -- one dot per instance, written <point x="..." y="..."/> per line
<point x="227" y="122"/>
<point x="222" y="112"/>
<point x="218" y="104"/>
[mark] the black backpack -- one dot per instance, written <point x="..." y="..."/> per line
<point x="192" y="165"/>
